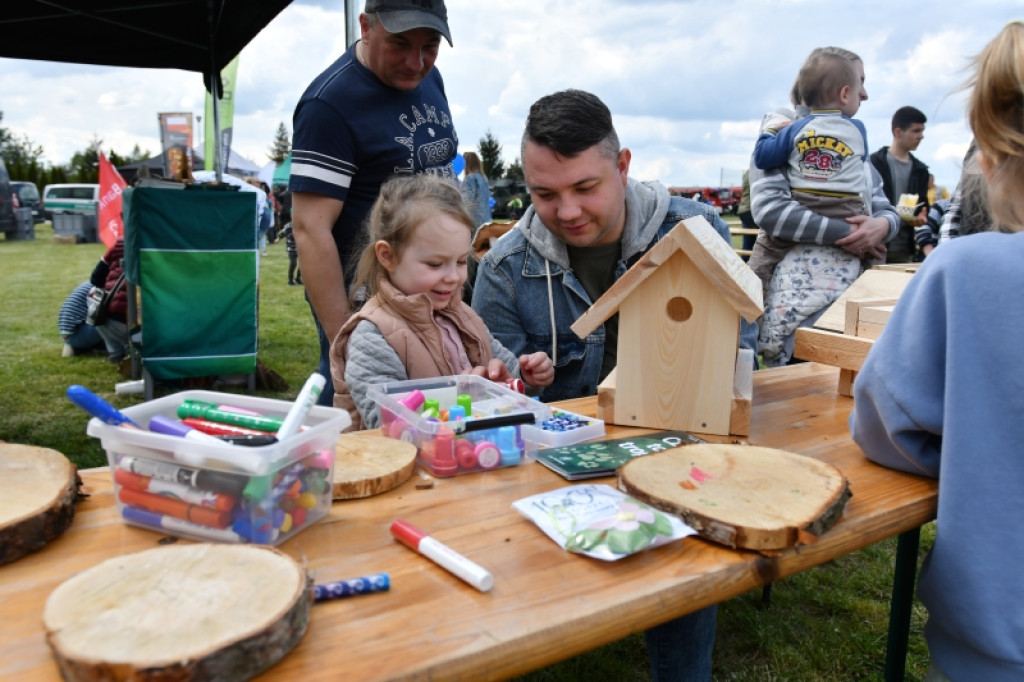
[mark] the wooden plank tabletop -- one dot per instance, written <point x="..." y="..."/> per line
<point x="546" y="605"/>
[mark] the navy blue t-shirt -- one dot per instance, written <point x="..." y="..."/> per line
<point x="352" y="132"/>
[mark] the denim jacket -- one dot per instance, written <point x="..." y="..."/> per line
<point x="516" y="299"/>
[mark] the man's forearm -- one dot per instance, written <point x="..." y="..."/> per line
<point x="324" y="279"/>
<point x="313" y="217"/>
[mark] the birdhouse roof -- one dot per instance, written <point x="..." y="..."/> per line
<point x="713" y="256"/>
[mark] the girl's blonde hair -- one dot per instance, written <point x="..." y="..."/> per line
<point x="996" y="115"/>
<point x="404" y="203"/>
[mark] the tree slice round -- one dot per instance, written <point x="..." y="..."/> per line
<point x="368" y="465"/>
<point x="740" y="495"/>
<point x="180" y="612"/>
<point x="38" y="489"/>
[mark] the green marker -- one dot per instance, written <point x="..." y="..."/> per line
<point x="206" y="410"/>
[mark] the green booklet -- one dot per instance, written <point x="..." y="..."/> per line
<point x="602" y="458"/>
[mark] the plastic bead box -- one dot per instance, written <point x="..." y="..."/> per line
<point x="564" y="428"/>
<point x="221" y="492"/>
<point x="461" y="424"/>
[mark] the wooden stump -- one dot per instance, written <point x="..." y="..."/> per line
<point x="369" y="465"/>
<point x="181" y="612"/>
<point x="38" y="489"/>
<point x="741" y="496"/>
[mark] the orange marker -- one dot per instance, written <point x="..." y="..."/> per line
<point x="204" y="516"/>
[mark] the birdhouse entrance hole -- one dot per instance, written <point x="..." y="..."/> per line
<point x="679" y="309"/>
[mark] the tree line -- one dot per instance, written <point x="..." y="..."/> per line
<point x="23" y="159"/>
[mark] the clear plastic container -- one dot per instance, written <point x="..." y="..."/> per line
<point x="218" y="491"/>
<point x="564" y="428"/>
<point x="489" y="437"/>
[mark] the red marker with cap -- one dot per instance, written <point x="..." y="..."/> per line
<point x="447" y="558"/>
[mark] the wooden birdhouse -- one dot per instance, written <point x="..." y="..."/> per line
<point x="679" y="365"/>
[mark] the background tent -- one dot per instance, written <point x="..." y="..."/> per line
<point x="193" y="35"/>
<point x="236" y="164"/>
<point x="283" y="172"/>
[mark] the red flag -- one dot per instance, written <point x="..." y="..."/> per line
<point x="111" y="224"/>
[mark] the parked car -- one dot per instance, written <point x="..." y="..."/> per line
<point x="28" y="197"/>
<point x="8" y="223"/>
<point x="70" y="198"/>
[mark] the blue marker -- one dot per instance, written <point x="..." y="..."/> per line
<point x="379" y="582"/>
<point x="98" y="407"/>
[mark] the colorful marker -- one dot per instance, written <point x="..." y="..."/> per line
<point x="304" y="402"/>
<point x="204" y="516"/>
<point x="210" y="411"/>
<point x="169" y="523"/>
<point x="445" y="557"/>
<point x="218" y="429"/>
<point x="173" y="427"/>
<point x="219" y="481"/>
<point x="379" y="582"/>
<point x="172" y="489"/>
<point x="98" y="407"/>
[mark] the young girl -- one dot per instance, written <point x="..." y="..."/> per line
<point x="415" y="324"/>
<point x="940" y="395"/>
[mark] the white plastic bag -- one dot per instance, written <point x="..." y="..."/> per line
<point x="600" y="521"/>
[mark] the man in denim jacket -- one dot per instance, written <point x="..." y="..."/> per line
<point x="588" y="224"/>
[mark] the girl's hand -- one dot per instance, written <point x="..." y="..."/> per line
<point x="495" y="371"/>
<point x="537" y="369"/>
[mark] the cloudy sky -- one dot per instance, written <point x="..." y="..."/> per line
<point x="687" y="81"/>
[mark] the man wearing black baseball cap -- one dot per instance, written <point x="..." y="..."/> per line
<point x="380" y="110"/>
<point x="398" y="17"/>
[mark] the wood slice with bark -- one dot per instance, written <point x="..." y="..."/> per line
<point x="366" y="465"/>
<point x="181" y="612"/>
<point x="38" y="490"/>
<point x="739" y="495"/>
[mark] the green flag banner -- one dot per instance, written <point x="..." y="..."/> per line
<point x="227" y="114"/>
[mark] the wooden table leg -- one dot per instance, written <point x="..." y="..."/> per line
<point x="904" y="575"/>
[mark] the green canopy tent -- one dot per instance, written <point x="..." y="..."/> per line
<point x="283" y="172"/>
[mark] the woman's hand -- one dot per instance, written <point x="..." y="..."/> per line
<point x="867" y="237"/>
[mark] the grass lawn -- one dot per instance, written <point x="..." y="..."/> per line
<point x="826" y="624"/>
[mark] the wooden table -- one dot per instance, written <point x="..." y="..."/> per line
<point x="547" y="605"/>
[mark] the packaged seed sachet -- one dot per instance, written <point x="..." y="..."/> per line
<point x="600" y="521"/>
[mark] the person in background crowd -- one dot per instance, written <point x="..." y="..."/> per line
<point x="378" y="111"/>
<point x="968" y="211"/>
<point x="114" y="332"/>
<point x="515" y="207"/>
<point x="78" y="336"/>
<point x="294" y="273"/>
<point x="745" y="216"/>
<point x="935" y="192"/>
<point x="266" y="217"/>
<point x="476" y="190"/>
<point x="927" y="236"/>
<point x="939" y="396"/>
<point x="902" y="173"/>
